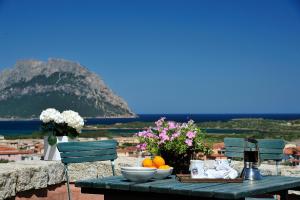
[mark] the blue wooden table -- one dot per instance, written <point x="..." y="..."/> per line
<point x="117" y="187"/>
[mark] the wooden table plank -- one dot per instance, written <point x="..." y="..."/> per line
<point x="207" y="190"/>
<point x="271" y="186"/>
<point x="231" y="188"/>
<point x="186" y="190"/>
<point x="176" y="186"/>
<point x="118" y="184"/>
<point x="230" y="191"/>
<point x="91" y="182"/>
<point x="165" y="188"/>
<point x="271" y="182"/>
<point x="146" y="187"/>
<point x="250" y="188"/>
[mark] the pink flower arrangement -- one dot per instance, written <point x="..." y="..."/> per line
<point x="142" y="146"/>
<point x="172" y="136"/>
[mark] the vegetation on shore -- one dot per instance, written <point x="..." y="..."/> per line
<point x="257" y="128"/>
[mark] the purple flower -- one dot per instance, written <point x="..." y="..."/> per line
<point x="141" y="147"/>
<point x="160" y="122"/>
<point x="146" y="134"/>
<point x="172" y="125"/>
<point x="189" y="142"/>
<point x="142" y="134"/>
<point x="151" y="135"/>
<point x="191" y="134"/>
<point x="163" y="136"/>
<point x="175" y="135"/>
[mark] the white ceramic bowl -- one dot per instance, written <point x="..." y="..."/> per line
<point x="163" y="173"/>
<point x="137" y="169"/>
<point x="138" y="176"/>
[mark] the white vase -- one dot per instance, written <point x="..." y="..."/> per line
<point x="50" y="151"/>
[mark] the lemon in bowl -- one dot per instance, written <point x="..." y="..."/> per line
<point x="163" y="172"/>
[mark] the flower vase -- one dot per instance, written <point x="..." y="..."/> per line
<point x="50" y="151"/>
<point x="180" y="162"/>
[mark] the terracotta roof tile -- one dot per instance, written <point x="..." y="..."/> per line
<point x="15" y="152"/>
<point x="219" y="145"/>
<point x="7" y="148"/>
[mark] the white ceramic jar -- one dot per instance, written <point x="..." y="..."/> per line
<point x="197" y="169"/>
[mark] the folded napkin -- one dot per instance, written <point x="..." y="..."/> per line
<point x="233" y="174"/>
<point x="213" y="173"/>
<point x="222" y="166"/>
<point x="226" y="174"/>
<point x="219" y="169"/>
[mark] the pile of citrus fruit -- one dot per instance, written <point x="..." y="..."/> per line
<point x="157" y="162"/>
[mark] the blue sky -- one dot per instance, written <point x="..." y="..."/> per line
<point x="211" y="56"/>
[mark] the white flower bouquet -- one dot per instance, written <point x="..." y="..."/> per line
<point x="67" y="123"/>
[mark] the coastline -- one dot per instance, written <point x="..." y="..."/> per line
<point x="19" y="119"/>
<point x="184" y="117"/>
<point x="86" y="118"/>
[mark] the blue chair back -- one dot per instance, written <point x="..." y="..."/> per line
<point x="269" y="149"/>
<point x="78" y="152"/>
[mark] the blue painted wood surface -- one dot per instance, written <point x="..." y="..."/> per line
<point x="209" y="190"/>
<point x="77" y="152"/>
<point x="269" y="149"/>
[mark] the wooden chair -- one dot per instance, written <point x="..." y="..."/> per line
<point x="78" y="152"/>
<point x="269" y="149"/>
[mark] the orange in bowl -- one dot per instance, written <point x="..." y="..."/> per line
<point x="147" y="162"/>
<point x="158" y="161"/>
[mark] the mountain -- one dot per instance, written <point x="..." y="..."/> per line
<point x="32" y="86"/>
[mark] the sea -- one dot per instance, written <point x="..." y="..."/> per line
<point x="27" y="127"/>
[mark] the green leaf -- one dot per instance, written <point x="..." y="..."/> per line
<point x="72" y="135"/>
<point x="52" y="140"/>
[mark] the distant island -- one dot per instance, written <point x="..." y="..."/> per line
<point x="32" y="86"/>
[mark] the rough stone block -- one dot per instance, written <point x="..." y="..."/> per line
<point x="56" y="173"/>
<point x="8" y="181"/>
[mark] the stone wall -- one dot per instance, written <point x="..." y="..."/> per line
<point x="27" y="175"/>
<point x="22" y="176"/>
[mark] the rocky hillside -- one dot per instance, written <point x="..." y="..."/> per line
<point x="31" y="86"/>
